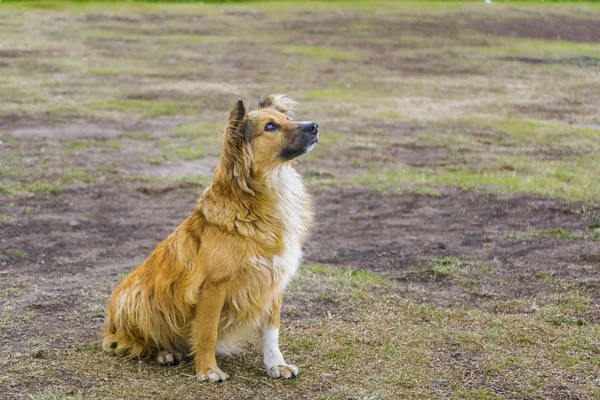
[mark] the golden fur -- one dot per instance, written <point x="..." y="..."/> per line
<point x="222" y="272"/>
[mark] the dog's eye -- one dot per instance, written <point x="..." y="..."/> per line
<point x="270" y="127"/>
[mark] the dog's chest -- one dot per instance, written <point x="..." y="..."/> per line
<point x="294" y="213"/>
<point x="292" y="207"/>
<point x="263" y="279"/>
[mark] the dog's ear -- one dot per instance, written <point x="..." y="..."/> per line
<point x="237" y="151"/>
<point x="279" y="102"/>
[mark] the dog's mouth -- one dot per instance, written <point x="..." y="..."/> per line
<point x="306" y="140"/>
<point x="312" y="144"/>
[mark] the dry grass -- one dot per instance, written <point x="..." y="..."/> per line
<point x="354" y="337"/>
<point x="411" y="97"/>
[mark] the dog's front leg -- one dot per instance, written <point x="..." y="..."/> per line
<point x="273" y="359"/>
<point x="205" y="333"/>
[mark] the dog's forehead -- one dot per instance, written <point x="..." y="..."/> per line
<point x="266" y="113"/>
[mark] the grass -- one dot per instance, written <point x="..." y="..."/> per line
<point x="55" y="395"/>
<point x="321" y="52"/>
<point x="442" y="268"/>
<point x="405" y="349"/>
<point x="77" y="145"/>
<point x="564" y="179"/>
<point x="147" y="108"/>
<point x="593" y="234"/>
<point x="107" y="95"/>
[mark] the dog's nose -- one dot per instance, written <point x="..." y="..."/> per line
<point x="313" y="128"/>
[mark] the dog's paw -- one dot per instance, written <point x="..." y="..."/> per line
<point x="167" y="358"/>
<point x="213" y="374"/>
<point x="285" y="371"/>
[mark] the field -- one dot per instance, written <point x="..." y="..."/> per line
<point x="456" y="248"/>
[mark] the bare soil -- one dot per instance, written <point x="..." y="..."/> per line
<point x="548" y="27"/>
<point x="63" y="252"/>
<point x="77" y="243"/>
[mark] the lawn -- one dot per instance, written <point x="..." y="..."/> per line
<point x="455" y="253"/>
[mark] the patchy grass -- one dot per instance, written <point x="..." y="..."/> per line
<point x="16" y="253"/>
<point x="407" y="350"/>
<point x="565" y="179"/>
<point x="593" y="234"/>
<point x="147" y="108"/>
<point x="73" y="146"/>
<point x="410" y="98"/>
<point x="207" y="130"/>
<point x="321" y="52"/>
<point x="55" y="395"/>
<point x="441" y="268"/>
<point x="44" y="188"/>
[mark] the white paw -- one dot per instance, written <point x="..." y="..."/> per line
<point x="212" y="375"/>
<point x="285" y="371"/>
<point x="167" y="358"/>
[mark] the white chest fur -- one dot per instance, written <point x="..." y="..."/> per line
<point x="293" y="209"/>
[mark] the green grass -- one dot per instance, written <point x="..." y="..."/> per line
<point x="187" y="153"/>
<point x="542" y="134"/>
<point x="357" y="278"/>
<point x="56" y="395"/>
<point x="11" y="292"/>
<point x="404" y="103"/>
<point x="147" y="108"/>
<point x="321" y="52"/>
<point x="44" y="188"/>
<point x="201" y="129"/>
<point x="85" y="347"/>
<point x="571" y="179"/>
<point x="77" y="145"/>
<point x="592" y="234"/>
<point x="16" y="253"/>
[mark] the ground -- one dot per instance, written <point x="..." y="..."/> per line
<point x="455" y="251"/>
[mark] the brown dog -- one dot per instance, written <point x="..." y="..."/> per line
<point x="221" y="274"/>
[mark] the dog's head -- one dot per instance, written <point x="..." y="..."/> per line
<point x="259" y="141"/>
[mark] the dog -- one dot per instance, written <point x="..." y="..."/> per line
<point x="221" y="274"/>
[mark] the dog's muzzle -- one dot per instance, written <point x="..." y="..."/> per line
<point x="311" y="129"/>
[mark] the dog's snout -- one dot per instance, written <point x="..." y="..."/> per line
<point x="312" y="127"/>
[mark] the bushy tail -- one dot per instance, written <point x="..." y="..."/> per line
<point x="120" y="345"/>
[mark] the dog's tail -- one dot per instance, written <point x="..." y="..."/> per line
<point x="120" y="336"/>
<point x="123" y="346"/>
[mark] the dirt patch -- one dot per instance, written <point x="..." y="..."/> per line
<point x="578" y="106"/>
<point x="24" y="127"/>
<point x="446" y="64"/>
<point x="61" y="255"/>
<point x="353" y="34"/>
<point x="17" y="53"/>
<point x="244" y="14"/>
<point x="153" y="18"/>
<point x="60" y="258"/>
<point x="87" y="236"/>
<point x="577" y="61"/>
<point x="543" y="27"/>
<point x="399" y="235"/>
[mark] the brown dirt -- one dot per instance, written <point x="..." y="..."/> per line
<point x="62" y="255"/>
<point x="572" y="29"/>
<point x="78" y="242"/>
<point x="396" y="235"/>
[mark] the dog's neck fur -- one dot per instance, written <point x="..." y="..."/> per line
<point x="278" y="208"/>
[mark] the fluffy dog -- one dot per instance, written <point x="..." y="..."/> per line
<point x="221" y="274"/>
